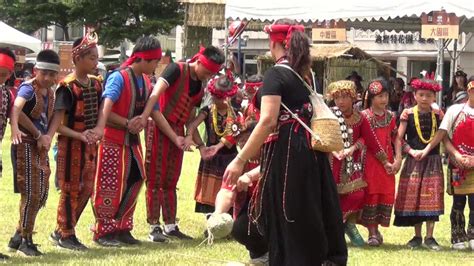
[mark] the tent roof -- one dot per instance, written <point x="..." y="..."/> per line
<point x="15" y="38"/>
<point x="358" y="14"/>
<point x="323" y="51"/>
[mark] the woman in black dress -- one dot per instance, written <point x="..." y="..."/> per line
<point x="296" y="204"/>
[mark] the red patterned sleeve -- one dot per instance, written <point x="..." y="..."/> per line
<point x="371" y="141"/>
<point x="393" y="129"/>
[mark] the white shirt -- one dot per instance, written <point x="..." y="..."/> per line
<point x="451" y="115"/>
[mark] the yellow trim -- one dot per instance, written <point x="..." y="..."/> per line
<point x="214" y="120"/>
<point x="434" y="125"/>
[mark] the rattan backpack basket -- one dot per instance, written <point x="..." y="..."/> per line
<point x="325" y="130"/>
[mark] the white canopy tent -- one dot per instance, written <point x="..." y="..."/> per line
<point x="9" y="36"/>
<point x="398" y="15"/>
<point x="369" y="10"/>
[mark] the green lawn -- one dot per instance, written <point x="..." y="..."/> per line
<point x="393" y="252"/>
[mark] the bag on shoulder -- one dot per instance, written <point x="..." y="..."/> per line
<point x="325" y="130"/>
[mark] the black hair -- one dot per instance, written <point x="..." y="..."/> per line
<point x="255" y="79"/>
<point x="400" y="82"/>
<point x="146" y="43"/>
<point x="48" y="56"/>
<point x="8" y="52"/>
<point x="368" y="96"/>
<point x="214" y="54"/>
<point x="224" y="83"/>
<point x="298" y="51"/>
<point x="76" y="43"/>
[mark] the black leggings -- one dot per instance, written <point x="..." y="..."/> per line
<point x="459" y="203"/>
<point x="254" y="242"/>
<point x="458" y="222"/>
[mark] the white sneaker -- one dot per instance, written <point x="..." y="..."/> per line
<point x="459" y="246"/>
<point x="263" y="260"/>
<point x="471" y="244"/>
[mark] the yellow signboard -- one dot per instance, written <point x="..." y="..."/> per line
<point x="322" y="35"/>
<point x="439" y="25"/>
<point x="329" y="31"/>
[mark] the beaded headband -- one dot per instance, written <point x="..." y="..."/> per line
<point x="89" y="41"/>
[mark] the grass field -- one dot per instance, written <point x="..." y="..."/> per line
<point x="393" y="252"/>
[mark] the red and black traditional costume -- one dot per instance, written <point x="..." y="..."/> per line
<point x="163" y="159"/>
<point x="120" y="168"/>
<point x="31" y="165"/>
<point x="76" y="161"/>
<point x="420" y="194"/>
<point x="219" y="128"/>
<point x="296" y="200"/>
<point x="6" y="99"/>
<point x="379" y="133"/>
<point x="6" y="103"/>
<point x="459" y="123"/>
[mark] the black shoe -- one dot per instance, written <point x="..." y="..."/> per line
<point x="27" y="248"/>
<point x="415" y="242"/>
<point x="78" y="243"/>
<point x="126" y="237"/>
<point x="108" y="241"/>
<point x="54" y="237"/>
<point x="4" y="257"/>
<point x="15" y="242"/>
<point x="71" y="243"/>
<point x="431" y="243"/>
<point x="156" y="235"/>
<point x="178" y="234"/>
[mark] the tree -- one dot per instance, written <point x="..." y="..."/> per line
<point x="31" y="15"/>
<point x="114" y="21"/>
<point x="128" y="19"/>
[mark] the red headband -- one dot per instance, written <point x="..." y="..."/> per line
<point x="220" y="93"/>
<point x="154" y="54"/>
<point x="206" y="62"/>
<point x="7" y="62"/>
<point x="419" y="84"/>
<point x="252" y="87"/>
<point x="282" y="33"/>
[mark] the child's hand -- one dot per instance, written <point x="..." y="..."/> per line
<point x="421" y="154"/>
<point x="414" y="153"/>
<point x="179" y="142"/>
<point x="188" y="142"/>
<point x="243" y="183"/>
<point x="388" y="168"/>
<point x="396" y="166"/>
<point x="337" y="155"/>
<point x="17" y="134"/>
<point x="44" y="142"/>
<point x="348" y="152"/>
<point x="212" y="151"/>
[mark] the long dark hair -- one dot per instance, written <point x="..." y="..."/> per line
<point x="298" y="51"/>
<point x="368" y="96"/>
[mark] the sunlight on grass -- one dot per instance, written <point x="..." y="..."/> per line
<point x="393" y="252"/>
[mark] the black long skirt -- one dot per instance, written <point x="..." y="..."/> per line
<point x="298" y="203"/>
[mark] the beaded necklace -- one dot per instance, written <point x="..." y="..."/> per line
<point x="434" y="125"/>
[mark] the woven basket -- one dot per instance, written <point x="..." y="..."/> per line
<point x="329" y="132"/>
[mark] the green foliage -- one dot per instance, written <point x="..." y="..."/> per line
<point x="117" y="20"/>
<point x="113" y="20"/>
